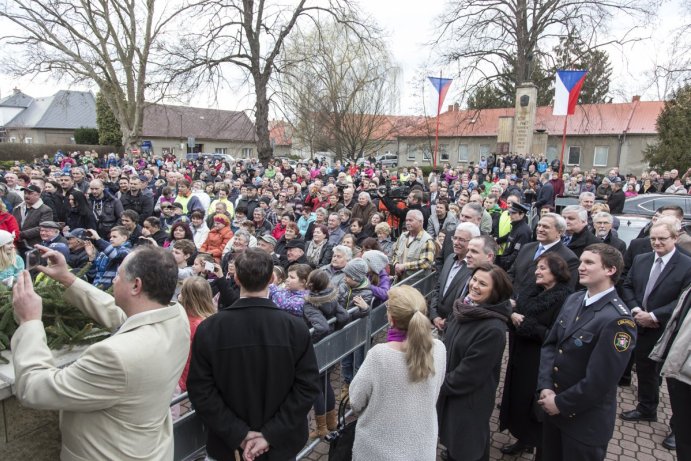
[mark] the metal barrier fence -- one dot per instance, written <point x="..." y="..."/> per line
<point x="190" y="433"/>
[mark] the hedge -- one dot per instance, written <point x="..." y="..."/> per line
<point x="10" y="151"/>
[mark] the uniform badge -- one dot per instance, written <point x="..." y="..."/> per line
<point x="622" y="341"/>
<point x="627" y="322"/>
<point x="518" y="246"/>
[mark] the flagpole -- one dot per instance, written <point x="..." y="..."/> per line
<point x="563" y="145"/>
<point x="436" y="136"/>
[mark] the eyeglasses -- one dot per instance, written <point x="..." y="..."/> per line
<point x="459" y="239"/>
<point x="659" y="239"/>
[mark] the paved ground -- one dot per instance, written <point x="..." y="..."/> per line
<point x="631" y="441"/>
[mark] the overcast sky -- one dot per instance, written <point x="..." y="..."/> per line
<point x="409" y="26"/>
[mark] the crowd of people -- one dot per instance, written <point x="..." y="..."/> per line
<point x="283" y="255"/>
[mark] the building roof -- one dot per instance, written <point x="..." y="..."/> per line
<point x="166" y="121"/>
<point x="16" y="99"/>
<point x="637" y="117"/>
<point x="280" y="133"/>
<point x="64" y="110"/>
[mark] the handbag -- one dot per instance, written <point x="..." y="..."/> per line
<point x="341" y="440"/>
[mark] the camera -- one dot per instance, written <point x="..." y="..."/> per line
<point x="33" y="259"/>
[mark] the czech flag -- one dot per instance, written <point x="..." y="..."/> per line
<point x="442" y="86"/>
<point x="566" y="90"/>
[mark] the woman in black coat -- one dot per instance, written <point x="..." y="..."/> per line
<point x="475" y="338"/>
<point x="535" y="312"/>
<point x="79" y="214"/>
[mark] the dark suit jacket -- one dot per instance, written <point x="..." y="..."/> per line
<point x="444" y="303"/>
<point x="523" y="270"/>
<point x="582" y="360"/>
<point x="639" y="246"/>
<point x="674" y="278"/>
<point x="545" y="196"/>
<point x="29" y="228"/>
<point x="253" y="368"/>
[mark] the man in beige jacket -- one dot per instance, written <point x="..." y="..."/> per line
<point x="114" y="400"/>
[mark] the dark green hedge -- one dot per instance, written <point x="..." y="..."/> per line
<point x="10" y="151"/>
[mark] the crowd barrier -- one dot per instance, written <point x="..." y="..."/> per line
<point x="189" y="431"/>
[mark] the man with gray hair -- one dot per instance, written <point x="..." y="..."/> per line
<point x="577" y="236"/>
<point x="414" y="250"/>
<point x="602" y="222"/>
<point x="333" y="225"/>
<point x="364" y="208"/>
<point x="341" y="256"/>
<point x="549" y="231"/>
<point x="453" y="275"/>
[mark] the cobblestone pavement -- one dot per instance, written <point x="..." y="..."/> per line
<point x="631" y="441"/>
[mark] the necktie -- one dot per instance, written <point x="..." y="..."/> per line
<point x="654" y="275"/>
<point x="540" y="250"/>
<point x="566" y="239"/>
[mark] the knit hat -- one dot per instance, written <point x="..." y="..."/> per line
<point x="376" y="260"/>
<point x="356" y="269"/>
<point x="221" y="218"/>
<point x="5" y="237"/>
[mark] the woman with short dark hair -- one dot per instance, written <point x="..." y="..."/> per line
<point x="475" y="338"/>
<point x="533" y="316"/>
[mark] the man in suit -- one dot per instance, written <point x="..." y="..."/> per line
<point x="581" y="362"/>
<point x="652" y="288"/>
<point x="549" y="230"/>
<point x="577" y="236"/>
<point x="673" y="349"/>
<point x="29" y="214"/>
<point x="114" y="400"/>
<point x="453" y="275"/>
<point x="545" y="196"/>
<point x="253" y="376"/>
<point x="471" y="213"/>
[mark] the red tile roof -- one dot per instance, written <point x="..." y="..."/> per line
<point x="280" y="133"/>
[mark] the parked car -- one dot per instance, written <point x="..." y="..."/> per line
<point x="388" y="160"/>
<point x="630" y="226"/>
<point x="646" y="204"/>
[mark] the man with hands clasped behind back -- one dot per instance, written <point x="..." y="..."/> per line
<point x="114" y="400"/>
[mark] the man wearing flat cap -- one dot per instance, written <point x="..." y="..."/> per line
<point x="29" y="214"/>
<point x="295" y="253"/>
<point x="520" y="235"/>
<point x="50" y="233"/>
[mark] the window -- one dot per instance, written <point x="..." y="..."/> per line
<point x="574" y="157"/>
<point x="551" y="153"/>
<point x="13" y="139"/>
<point x="463" y="153"/>
<point x="246" y="152"/>
<point x="412" y="152"/>
<point x="426" y="155"/>
<point x="221" y="150"/>
<point x="28" y="140"/>
<point x="601" y="156"/>
<point x="444" y="152"/>
<point x="484" y="150"/>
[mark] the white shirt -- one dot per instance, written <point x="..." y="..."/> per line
<point x="592" y="299"/>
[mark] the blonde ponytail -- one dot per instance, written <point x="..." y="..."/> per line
<point x="408" y="310"/>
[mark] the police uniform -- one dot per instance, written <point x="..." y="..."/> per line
<point x="520" y="235"/>
<point x="582" y="361"/>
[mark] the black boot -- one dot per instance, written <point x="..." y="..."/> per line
<point x="516" y="448"/>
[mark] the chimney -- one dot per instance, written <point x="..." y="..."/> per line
<point x="456" y="107"/>
<point x="450" y="108"/>
<point x="17" y="90"/>
<point x="636" y="98"/>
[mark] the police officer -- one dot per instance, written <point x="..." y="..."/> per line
<point x="582" y="360"/>
<point x="520" y="235"/>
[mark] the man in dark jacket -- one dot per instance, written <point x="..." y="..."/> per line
<point x="520" y="235"/>
<point x="545" y="196"/>
<point x="577" y="236"/>
<point x="602" y="223"/>
<point x="106" y="208"/>
<point x="29" y="214"/>
<point x="412" y="202"/>
<point x="138" y="199"/>
<point x="617" y="198"/>
<point x="253" y="374"/>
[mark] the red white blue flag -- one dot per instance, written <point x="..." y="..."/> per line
<point x="442" y="86"/>
<point x="567" y="87"/>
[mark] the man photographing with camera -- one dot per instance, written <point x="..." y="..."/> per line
<point x="413" y="201"/>
<point x="114" y="400"/>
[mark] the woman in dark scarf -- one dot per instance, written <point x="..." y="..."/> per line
<point x="535" y="312"/>
<point x="475" y="339"/>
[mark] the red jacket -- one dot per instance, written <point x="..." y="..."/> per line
<point x="9" y="224"/>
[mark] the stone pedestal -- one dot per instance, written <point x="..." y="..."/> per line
<point x="524" y="119"/>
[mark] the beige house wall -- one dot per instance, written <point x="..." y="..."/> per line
<point x="41" y="136"/>
<point x="179" y="147"/>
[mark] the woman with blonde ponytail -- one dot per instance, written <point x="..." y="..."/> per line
<point x="395" y="391"/>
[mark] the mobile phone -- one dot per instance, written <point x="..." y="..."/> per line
<point x="33" y="259"/>
<point x="209" y="266"/>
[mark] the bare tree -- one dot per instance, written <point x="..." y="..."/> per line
<point x="250" y="36"/>
<point x="485" y="36"/>
<point x="108" y="43"/>
<point x="339" y="90"/>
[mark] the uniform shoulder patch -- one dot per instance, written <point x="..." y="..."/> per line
<point x="518" y="246"/>
<point x="627" y="322"/>
<point x="622" y="341"/>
